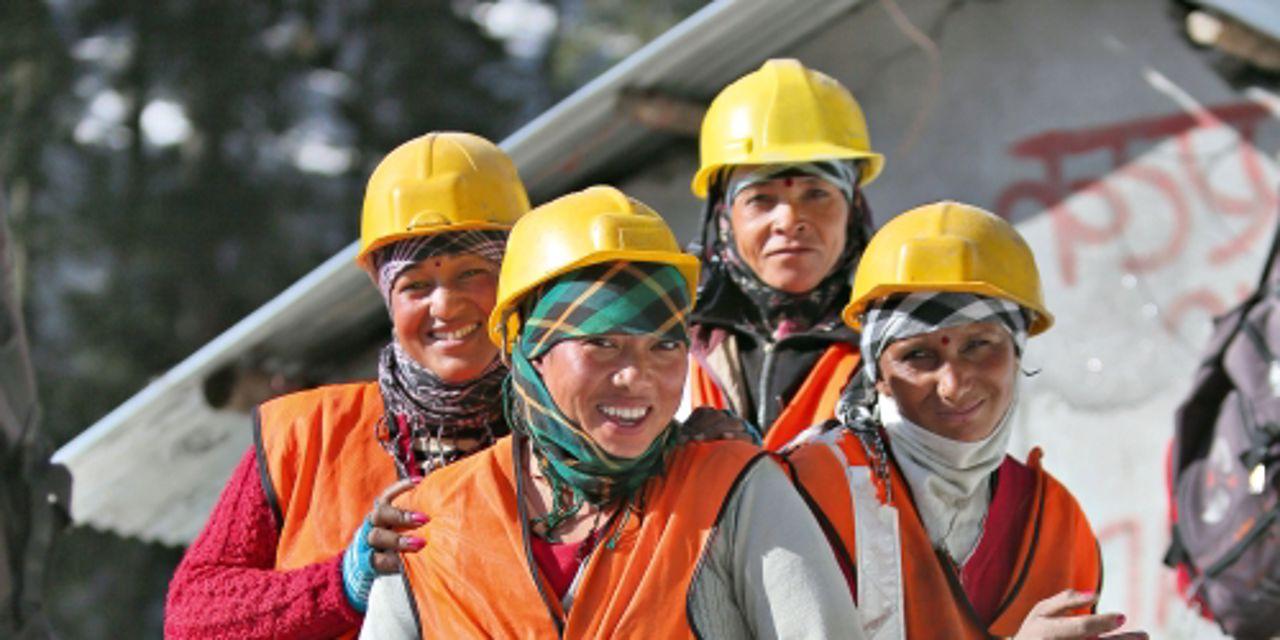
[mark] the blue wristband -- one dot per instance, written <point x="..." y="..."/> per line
<point x="358" y="573"/>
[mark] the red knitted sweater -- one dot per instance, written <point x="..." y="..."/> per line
<point x="226" y="585"/>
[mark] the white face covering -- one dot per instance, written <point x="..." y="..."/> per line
<point x="950" y="480"/>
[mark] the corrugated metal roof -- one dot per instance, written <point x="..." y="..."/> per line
<point x="152" y="468"/>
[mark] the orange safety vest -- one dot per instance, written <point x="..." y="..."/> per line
<point x="922" y="597"/>
<point x="322" y="467"/>
<point x="813" y="403"/>
<point x="477" y="577"/>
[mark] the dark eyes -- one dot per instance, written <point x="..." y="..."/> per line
<point x="416" y="285"/>
<point x="917" y="354"/>
<point x="667" y="345"/>
<point x="426" y="285"/>
<point x="924" y="353"/>
<point x="978" y="343"/>
<point x="471" y="273"/>
<point x="768" y="201"/>
<point x="599" y="342"/>
<point x="604" y="342"/>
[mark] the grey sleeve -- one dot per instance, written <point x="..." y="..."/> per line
<point x="390" y="614"/>
<point x="769" y="571"/>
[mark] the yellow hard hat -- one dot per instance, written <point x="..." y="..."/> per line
<point x="949" y="246"/>
<point x="781" y="113"/>
<point x="442" y="181"/>
<point x="595" y="225"/>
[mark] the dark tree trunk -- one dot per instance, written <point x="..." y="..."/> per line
<point x="28" y="500"/>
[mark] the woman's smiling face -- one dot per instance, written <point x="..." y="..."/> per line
<point x="439" y="307"/>
<point x="622" y="389"/>
<point x="956" y="382"/>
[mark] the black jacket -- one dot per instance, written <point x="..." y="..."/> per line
<point x="770" y="370"/>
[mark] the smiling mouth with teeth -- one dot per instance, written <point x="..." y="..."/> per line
<point x="455" y="335"/>
<point x="625" y="414"/>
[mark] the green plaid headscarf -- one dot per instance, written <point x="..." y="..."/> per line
<point x="617" y="297"/>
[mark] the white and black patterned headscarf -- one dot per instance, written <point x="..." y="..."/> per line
<point x="391" y="260"/>
<point x="898" y="317"/>
<point x="949" y="479"/>
<point x="428" y="422"/>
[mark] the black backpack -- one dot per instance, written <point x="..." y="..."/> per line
<point x="1225" y="463"/>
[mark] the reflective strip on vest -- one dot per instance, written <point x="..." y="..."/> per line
<point x="914" y="593"/>
<point x="879" y="552"/>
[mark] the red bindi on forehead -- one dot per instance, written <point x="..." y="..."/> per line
<point x="946" y="341"/>
<point x="788" y="181"/>
<point x="438" y="263"/>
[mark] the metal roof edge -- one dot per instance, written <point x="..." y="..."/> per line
<point x="208" y="356"/>
<point x="620" y="72"/>
<point x="669" y="48"/>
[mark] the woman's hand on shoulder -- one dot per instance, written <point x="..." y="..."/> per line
<point x="1051" y="618"/>
<point x="386" y="524"/>
<point x="375" y="547"/>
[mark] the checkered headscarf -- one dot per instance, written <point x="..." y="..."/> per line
<point x="896" y="318"/>
<point x="390" y="261"/>
<point x="617" y="297"/>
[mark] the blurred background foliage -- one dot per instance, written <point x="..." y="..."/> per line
<point x="169" y="165"/>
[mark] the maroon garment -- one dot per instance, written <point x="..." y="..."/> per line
<point x="986" y="575"/>
<point x="559" y="561"/>
<point x="227" y="587"/>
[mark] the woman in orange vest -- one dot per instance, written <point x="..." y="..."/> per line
<point x="948" y="535"/>
<point x="784" y="156"/>
<point x="270" y="563"/>
<point x="596" y="519"/>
